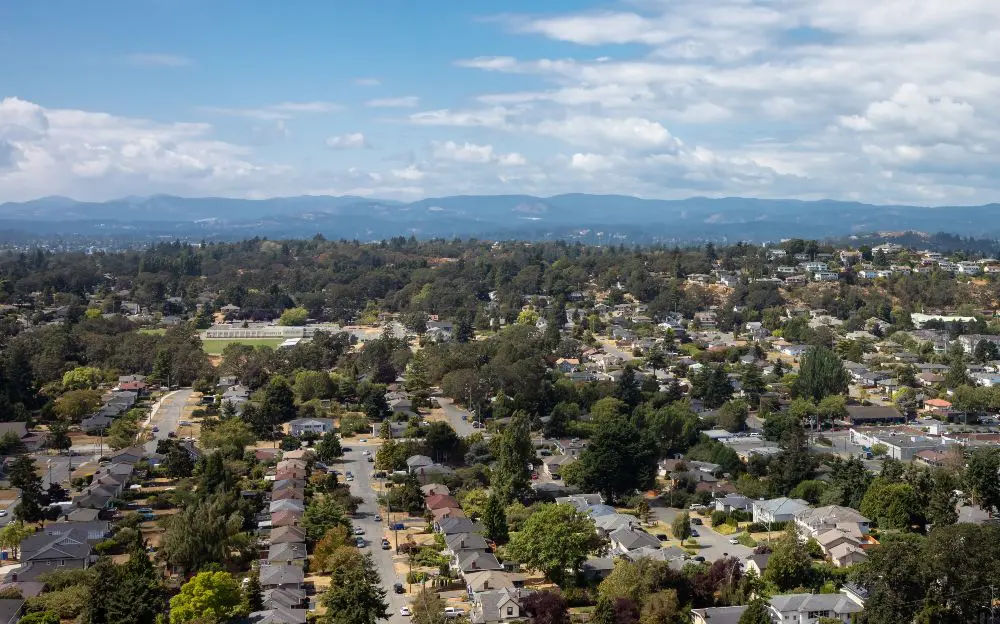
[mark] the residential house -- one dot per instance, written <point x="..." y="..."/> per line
<point x="278" y="615"/>
<point x="733" y="502"/>
<point x="452" y="526"/>
<point x="626" y="539"/>
<point x="415" y="462"/>
<point x="501" y="605"/>
<point x="717" y="615"/>
<point x="567" y="365"/>
<point x="447" y="512"/>
<point x="287" y="598"/>
<point x="287" y="553"/>
<point x="756" y="562"/>
<point x="815" y="522"/>
<point x="441" y="501"/>
<point x="318" y="426"/>
<point x="287" y="535"/>
<point x="491" y="580"/>
<point x="781" y="509"/>
<point x="845" y="555"/>
<point x="434" y="473"/>
<point x="286" y="518"/>
<point x="808" y="608"/>
<point x="286" y="505"/>
<point x="434" y="488"/>
<point x="281" y="576"/>
<point x="609" y="523"/>
<point x="476" y="561"/>
<point x="458" y="543"/>
<point x="553" y="465"/>
<point x="597" y="568"/>
<point x="53" y="549"/>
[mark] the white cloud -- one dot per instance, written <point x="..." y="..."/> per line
<point x="406" y="101"/>
<point x="353" y="140"/>
<point x="590" y="163"/>
<point x="467" y="153"/>
<point x="159" y="60"/>
<point x="513" y="159"/>
<point x="495" y="117"/>
<point x="367" y="82"/>
<point x="282" y="110"/>
<point x="410" y="173"/>
<point x="90" y="155"/>
<point x="631" y="132"/>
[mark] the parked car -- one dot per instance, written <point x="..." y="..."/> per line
<point x="734" y="541"/>
<point x="694" y="533"/>
<point x="662" y="537"/>
<point x="398" y="588"/>
<point x="453" y="612"/>
<point x="699" y="559"/>
<point x="378" y="518"/>
<point x="360" y="542"/>
<point x="696" y="521"/>
<point x="405" y="611"/>
<point x="156" y="429"/>
<point x="359" y="531"/>
<point x="171" y="434"/>
<point x="385" y="544"/>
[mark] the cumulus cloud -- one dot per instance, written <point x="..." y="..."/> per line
<point x="92" y="155"/>
<point x="353" y="140"/>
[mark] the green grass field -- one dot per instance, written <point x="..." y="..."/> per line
<point x="153" y="331"/>
<point x="214" y="346"/>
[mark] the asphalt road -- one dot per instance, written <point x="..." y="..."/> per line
<point x="355" y="462"/>
<point x="167" y="416"/>
<point x="454" y="414"/>
<point x="713" y="545"/>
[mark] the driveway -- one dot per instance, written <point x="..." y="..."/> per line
<point x="454" y="415"/>
<point x="166" y="416"/>
<point x="713" y="545"/>
<point x="362" y="487"/>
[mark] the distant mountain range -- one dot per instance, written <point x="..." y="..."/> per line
<point x="589" y="218"/>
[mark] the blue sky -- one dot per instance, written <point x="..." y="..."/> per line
<point x="845" y="99"/>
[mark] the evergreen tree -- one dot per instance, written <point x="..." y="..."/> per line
<point x="821" y="373"/>
<point x="510" y="477"/>
<point x="328" y="448"/>
<point x="415" y="380"/>
<point x="758" y="612"/>
<point x="138" y="596"/>
<point x="103" y="584"/>
<point x="604" y="612"/>
<point x="626" y="389"/>
<point x="24" y="477"/>
<point x="355" y="595"/>
<point x="495" y="520"/>
<point x="618" y="460"/>
<point x="253" y="592"/>
<point x="752" y="383"/>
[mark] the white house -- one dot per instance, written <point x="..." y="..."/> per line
<point x="319" y="426"/>
<point x="778" y="509"/>
<point x="500" y="605"/>
<point x="809" y="608"/>
<point x="814" y="522"/>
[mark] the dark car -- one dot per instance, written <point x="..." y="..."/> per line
<point x="662" y="537"/>
<point x="696" y="521"/>
<point x="694" y="533"/>
<point x="699" y="559"/>
<point x="346" y="449"/>
<point x="398" y="588"/>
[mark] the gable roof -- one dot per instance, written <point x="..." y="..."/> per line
<point x="838" y="603"/>
<point x="450" y="526"/>
<point x="287" y="551"/>
<point x="782" y="505"/>
<point x="830" y="515"/>
<point x="285" y="534"/>
<point x="458" y="542"/>
<point x="631" y="539"/>
<point x="439" y="501"/>
<point x="472" y="560"/>
<point x="275" y="575"/>
<point x="52" y="545"/>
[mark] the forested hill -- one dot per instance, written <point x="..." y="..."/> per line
<point x="589" y="218"/>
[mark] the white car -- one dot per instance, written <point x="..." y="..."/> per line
<point x="3" y="513"/>
<point x="734" y="541"/>
<point x="366" y="453"/>
<point x="405" y="611"/>
<point x="363" y="440"/>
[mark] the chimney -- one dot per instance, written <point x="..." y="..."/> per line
<point x="486" y="584"/>
<point x="461" y="544"/>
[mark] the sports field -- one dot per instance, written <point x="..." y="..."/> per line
<point x="214" y="346"/>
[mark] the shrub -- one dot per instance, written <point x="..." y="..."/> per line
<point x="760" y="527"/>
<point x="66" y="603"/>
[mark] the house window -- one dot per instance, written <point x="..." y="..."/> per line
<point x="510" y="611"/>
<point x="62" y="562"/>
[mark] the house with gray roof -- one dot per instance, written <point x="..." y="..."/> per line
<point x="459" y="543"/>
<point x="780" y="509"/>
<point x="502" y="605"/>
<point x="278" y="615"/>
<point x="627" y="539"/>
<point x="283" y="576"/>
<point x="317" y="426"/>
<point x="53" y="549"/>
<point x="815" y="522"/>
<point x="287" y="552"/>
<point x="717" y="615"/>
<point x="476" y="561"/>
<point x="288" y="598"/>
<point x="808" y="608"/>
<point x="286" y="535"/>
<point x="451" y="526"/>
<point x="610" y="523"/>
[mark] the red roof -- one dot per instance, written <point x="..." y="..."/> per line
<point x="440" y="501"/>
<point x="937" y="403"/>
